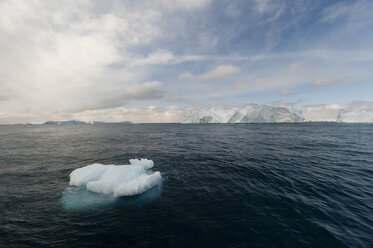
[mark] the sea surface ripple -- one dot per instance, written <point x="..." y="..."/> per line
<point x="224" y="185"/>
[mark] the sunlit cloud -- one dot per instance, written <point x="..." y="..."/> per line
<point x="286" y="93"/>
<point x="219" y="72"/>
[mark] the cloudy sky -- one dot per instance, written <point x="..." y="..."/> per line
<point x="146" y="61"/>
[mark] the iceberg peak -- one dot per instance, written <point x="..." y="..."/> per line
<point x="247" y="113"/>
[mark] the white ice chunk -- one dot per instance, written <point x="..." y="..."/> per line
<point x="138" y="185"/>
<point x="147" y="163"/>
<point x="115" y="176"/>
<point x="82" y="176"/>
<point x="120" y="180"/>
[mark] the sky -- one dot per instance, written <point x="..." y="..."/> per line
<point x="150" y="61"/>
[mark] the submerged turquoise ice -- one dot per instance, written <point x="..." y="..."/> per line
<point x="80" y="199"/>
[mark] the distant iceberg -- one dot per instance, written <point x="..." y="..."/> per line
<point x="112" y="122"/>
<point x="356" y="113"/>
<point x="212" y="115"/>
<point x="64" y="122"/>
<point x="248" y="113"/>
<point x="117" y="180"/>
<point x="57" y="122"/>
<point x="257" y="113"/>
<point x="72" y="122"/>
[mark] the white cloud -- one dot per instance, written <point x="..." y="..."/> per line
<point x="274" y="81"/>
<point x="330" y="55"/>
<point x="263" y="6"/>
<point x="143" y="91"/>
<point x="182" y="4"/>
<point x="61" y="59"/>
<point x="176" y="99"/>
<point x="319" y="54"/>
<point x="215" y="74"/>
<point x="294" y="67"/>
<point x="248" y="83"/>
<point x="269" y="9"/>
<point x="154" y="58"/>
<point x="354" y="10"/>
<point x="326" y="82"/>
<point x="286" y="93"/>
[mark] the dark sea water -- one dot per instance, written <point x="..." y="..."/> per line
<point x="249" y="185"/>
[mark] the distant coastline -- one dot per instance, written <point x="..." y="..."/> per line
<point x="182" y="123"/>
<point x="76" y="122"/>
<point x="246" y="113"/>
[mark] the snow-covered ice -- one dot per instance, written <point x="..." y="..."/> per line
<point x="258" y="113"/>
<point x="248" y="113"/>
<point x="209" y="115"/>
<point x="361" y="112"/>
<point x="119" y="180"/>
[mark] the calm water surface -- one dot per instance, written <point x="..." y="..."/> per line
<point x="249" y="185"/>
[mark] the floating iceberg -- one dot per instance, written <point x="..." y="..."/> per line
<point x="248" y="113"/>
<point x="117" y="180"/>
<point x="71" y="122"/>
<point x="212" y="115"/>
<point x="257" y="113"/>
<point x="79" y="198"/>
<point x="356" y="113"/>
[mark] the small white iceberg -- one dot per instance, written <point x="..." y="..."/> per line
<point x="118" y="180"/>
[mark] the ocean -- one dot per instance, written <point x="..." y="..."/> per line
<point x="223" y="185"/>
